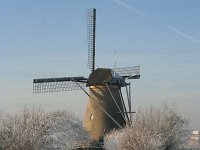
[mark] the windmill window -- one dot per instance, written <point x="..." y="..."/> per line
<point x="91" y="117"/>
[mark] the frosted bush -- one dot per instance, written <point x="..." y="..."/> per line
<point x="37" y="130"/>
<point x="21" y="131"/>
<point x="152" y="129"/>
<point x="65" y="132"/>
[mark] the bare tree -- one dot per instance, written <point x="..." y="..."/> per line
<point x="151" y="129"/>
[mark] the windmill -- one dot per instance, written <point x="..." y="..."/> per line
<point x="106" y="108"/>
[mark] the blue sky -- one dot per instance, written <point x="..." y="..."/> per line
<point x="49" y="39"/>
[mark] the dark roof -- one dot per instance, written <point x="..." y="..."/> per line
<point x="101" y="75"/>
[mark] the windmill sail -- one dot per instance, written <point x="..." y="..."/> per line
<point x="46" y="85"/>
<point x="91" y="27"/>
<point x="129" y="72"/>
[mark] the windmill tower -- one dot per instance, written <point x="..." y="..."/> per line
<point x="106" y="108"/>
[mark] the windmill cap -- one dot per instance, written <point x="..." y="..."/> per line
<point x="102" y="75"/>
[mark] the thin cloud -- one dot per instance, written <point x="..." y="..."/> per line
<point x="119" y="2"/>
<point x="122" y="3"/>
<point x="182" y="34"/>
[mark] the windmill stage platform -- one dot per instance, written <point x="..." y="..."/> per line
<point x="91" y="146"/>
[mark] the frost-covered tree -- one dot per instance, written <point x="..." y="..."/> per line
<point x="21" y="131"/>
<point x="37" y="130"/>
<point x="153" y="129"/>
<point x="65" y="132"/>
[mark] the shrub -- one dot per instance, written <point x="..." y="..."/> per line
<point x="151" y="129"/>
<point x="64" y="133"/>
<point x="35" y="130"/>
